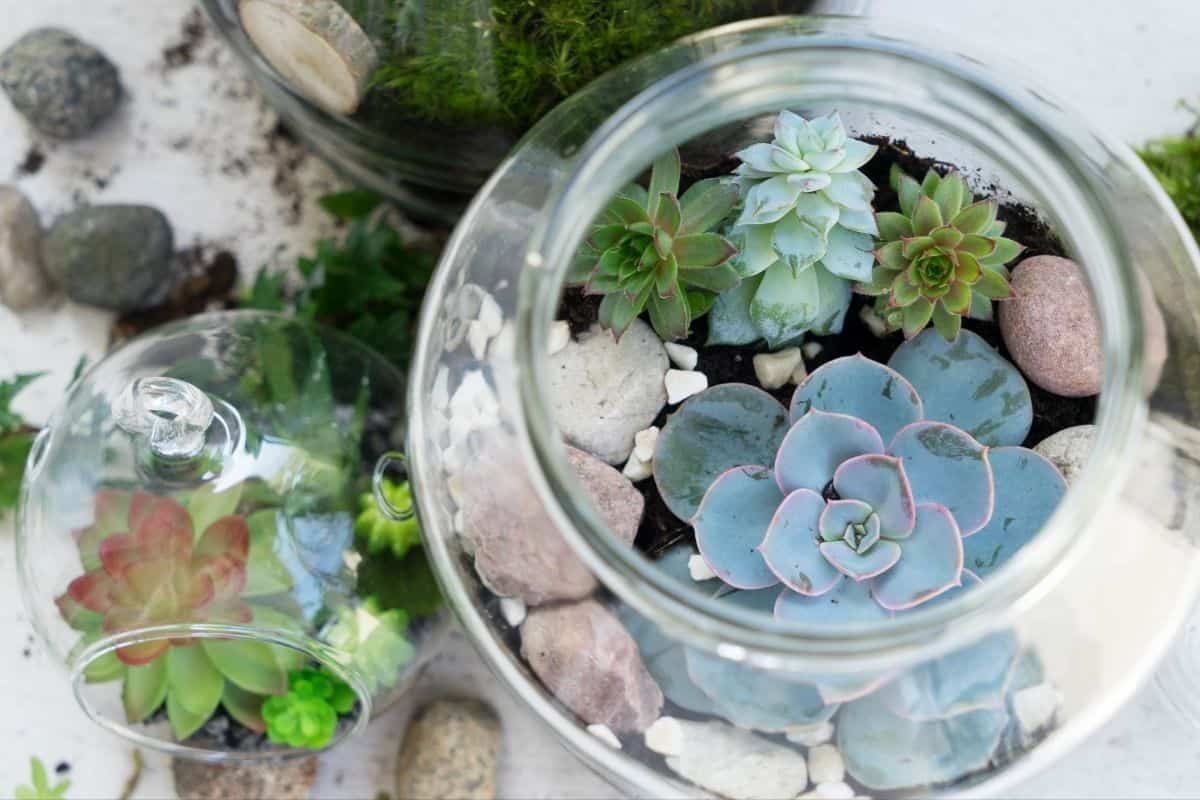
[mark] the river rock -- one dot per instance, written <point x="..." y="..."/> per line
<point x="519" y="551"/>
<point x="115" y="257"/>
<point x="63" y="86"/>
<point x="23" y="282"/>
<point x="604" y="390"/>
<point x="284" y="779"/>
<point x="1068" y="449"/>
<point x="451" y="749"/>
<point x="586" y="658"/>
<point x="737" y="764"/>
<point x="1051" y="328"/>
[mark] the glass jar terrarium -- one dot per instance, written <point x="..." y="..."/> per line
<point x="648" y="617"/>
<point x="199" y="541"/>
<point x="421" y="100"/>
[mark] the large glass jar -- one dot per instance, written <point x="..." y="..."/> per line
<point x="199" y="545"/>
<point x="997" y="681"/>
<point x="455" y="83"/>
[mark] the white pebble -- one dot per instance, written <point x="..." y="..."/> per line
<point x="560" y="334"/>
<point x="811" y="735"/>
<point x="681" y="355"/>
<point x="458" y="522"/>
<point x="605" y="734"/>
<point x="830" y="791"/>
<point x="665" y="736"/>
<point x="503" y="344"/>
<point x="811" y="350"/>
<point x="873" y="321"/>
<point x="477" y="338"/>
<point x="799" y="373"/>
<point x="699" y="569"/>
<point x="1036" y="706"/>
<point x="773" y="370"/>
<point x="636" y="469"/>
<point x="644" y="443"/>
<point x="440" y="392"/>
<point x="825" y="764"/>
<point x="682" y="384"/>
<point x="490" y="317"/>
<point x="513" y="609"/>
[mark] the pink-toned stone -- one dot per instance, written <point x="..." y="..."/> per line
<point x="586" y="658"/>
<point x="519" y="552"/>
<point x="1051" y="327"/>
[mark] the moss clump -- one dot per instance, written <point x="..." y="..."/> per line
<point x="1176" y="164"/>
<point x="511" y="63"/>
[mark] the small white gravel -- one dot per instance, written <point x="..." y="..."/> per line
<point x="774" y="370"/>
<point x="513" y="609"/>
<point x="644" y="443"/>
<point x="699" y="569"/>
<point x="825" y="764"/>
<point x="1036" y="706"/>
<point x="490" y="318"/>
<point x="811" y="735"/>
<point x="636" y="468"/>
<point x="560" y="334"/>
<point x="811" y="350"/>
<point x="665" y="736"/>
<point x="873" y="321"/>
<point x="681" y="355"/>
<point x="477" y="338"/>
<point x="682" y="384"/>
<point x="605" y="734"/>
<point x="830" y="791"/>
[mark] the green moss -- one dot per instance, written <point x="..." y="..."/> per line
<point x="1176" y="164"/>
<point x="508" y="62"/>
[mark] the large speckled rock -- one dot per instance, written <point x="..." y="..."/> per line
<point x="1068" y="449"/>
<point x="1051" y="328"/>
<point x="117" y="257"/>
<point x="586" y="658"/>
<point x="737" y="764"/>
<point x="23" y="283"/>
<point x="266" y="780"/>
<point x="451" y="749"/>
<point x="519" y="552"/>
<point x="604" y="391"/>
<point x="62" y="85"/>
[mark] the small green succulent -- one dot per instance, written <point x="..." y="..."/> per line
<point x="307" y="715"/>
<point x="380" y="531"/>
<point x="943" y="256"/>
<point x="805" y="233"/>
<point x="375" y="640"/>
<point x="40" y="789"/>
<point x="651" y="250"/>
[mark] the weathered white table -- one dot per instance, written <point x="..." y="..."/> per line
<point x="194" y="139"/>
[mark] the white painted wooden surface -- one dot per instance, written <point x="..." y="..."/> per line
<point x="1126" y="64"/>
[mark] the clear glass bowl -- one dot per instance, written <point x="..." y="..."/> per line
<point x="195" y="531"/>
<point x="461" y="81"/>
<point x="1047" y="648"/>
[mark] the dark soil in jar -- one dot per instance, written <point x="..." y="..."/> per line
<point x="660" y="529"/>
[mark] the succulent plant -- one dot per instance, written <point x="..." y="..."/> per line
<point x="942" y="256"/>
<point x="375" y="640"/>
<point x="380" y="531"/>
<point x="804" y="233"/>
<point x="874" y="500"/>
<point x="651" y="250"/>
<point x="307" y="716"/>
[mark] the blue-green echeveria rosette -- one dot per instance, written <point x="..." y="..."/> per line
<point x="869" y="504"/>
<point x="804" y="234"/>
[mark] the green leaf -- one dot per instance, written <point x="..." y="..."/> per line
<point x="207" y="504"/>
<point x="926" y="216"/>
<point x="730" y="321"/>
<point x="891" y="255"/>
<point x="670" y="316"/>
<point x="700" y="303"/>
<point x="909" y="190"/>
<point x="664" y="178"/>
<point x="267" y="293"/>
<point x="244" y="706"/>
<point x="976" y="217"/>
<point x="192" y="680"/>
<point x="931" y="183"/>
<point x="627" y="211"/>
<point x="256" y="666"/>
<point x="892" y="226"/>
<point x="916" y="317"/>
<point x="669" y="214"/>
<point x="711" y="279"/>
<point x="183" y="722"/>
<point x="350" y="205"/>
<point x="946" y="323"/>
<point x="14" y="453"/>
<point x="105" y="668"/>
<point x="144" y="690"/>
<point x="10" y="421"/>
<point x="617" y="311"/>
<point x="993" y="285"/>
<point x="40" y="788"/>
<point x="1006" y="250"/>
<point x="667" y="277"/>
<point x="703" y="250"/>
<point x="949" y="195"/>
<point x="706" y="204"/>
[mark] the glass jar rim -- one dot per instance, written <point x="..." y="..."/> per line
<point x="658" y="117"/>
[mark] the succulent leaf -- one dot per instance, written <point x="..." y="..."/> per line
<point x="849" y="601"/>
<point x="193" y="681"/>
<point x="754" y="698"/>
<point x="790" y="548"/>
<point x="243" y="706"/>
<point x="706" y="204"/>
<point x="1028" y="489"/>
<point x="881" y="482"/>
<point x="862" y="388"/>
<point x="968" y="679"/>
<point x="931" y="563"/>
<point x="966" y="383"/>
<point x="817" y="444"/>
<point x="945" y="466"/>
<point x="787" y="304"/>
<point x="849" y="255"/>
<point x="663" y="656"/>
<point x="730" y="322"/>
<point x="839" y="514"/>
<point x="861" y="566"/>
<point x="732" y="522"/>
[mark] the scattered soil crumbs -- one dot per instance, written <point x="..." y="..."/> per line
<point x="660" y="529"/>
<point x="182" y="52"/>
<point x="206" y="280"/>
<point x="32" y="163"/>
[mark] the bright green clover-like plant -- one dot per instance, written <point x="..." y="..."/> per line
<point x="942" y="256"/>
<point x="805" y="233"/>
<point x="40" y="788"/>
<point x="307" y="715"/>
<point x="654" y="251"/>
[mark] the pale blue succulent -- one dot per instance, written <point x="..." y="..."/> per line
<point x="805" y="233"/>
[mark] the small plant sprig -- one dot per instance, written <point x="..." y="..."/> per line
<point x="16" y="440"/>
<point x="652" y="250"/>
<point x="1176" y="164"/>
<point x="307" y="715"/>
<point x="40" y="788"/>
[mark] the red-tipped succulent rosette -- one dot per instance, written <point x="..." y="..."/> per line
<point x="146" y="568"/>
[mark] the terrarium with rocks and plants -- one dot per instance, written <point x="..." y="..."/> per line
<point x="214" y="541"/>
<point x="772" y="427"/>
<point x="421" y="100"/>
